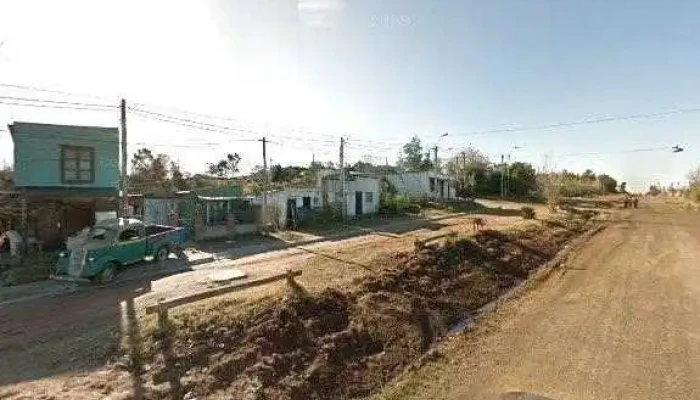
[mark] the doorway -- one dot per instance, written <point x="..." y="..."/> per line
<point x="358" y="203"/>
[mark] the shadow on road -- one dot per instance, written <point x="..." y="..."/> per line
<point x="68" y="334"/>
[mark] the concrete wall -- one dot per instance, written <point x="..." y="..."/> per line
<point x="370" y="203"/>
<point x="277" y="202"/>
<point x="417" y="184"/>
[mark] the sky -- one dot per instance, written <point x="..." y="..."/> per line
<point x="306" y="72"/>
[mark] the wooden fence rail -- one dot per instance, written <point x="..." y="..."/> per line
<point x="162" y="307"/>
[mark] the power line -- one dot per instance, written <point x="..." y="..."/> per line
<point x="237" y="120"/>
<point x="38" y="89"/>
<point x="36" y="100"/>
<point x="57" y="106"/>
<point x="585" y="122"/>
<point x="190" y="122"/>
<point x="640" y="150"/>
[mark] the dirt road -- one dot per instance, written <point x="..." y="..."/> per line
<point x="72" y="333"/>
<point x="621" y="320"/>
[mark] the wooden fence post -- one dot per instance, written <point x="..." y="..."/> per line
<point x="162" y="316"/>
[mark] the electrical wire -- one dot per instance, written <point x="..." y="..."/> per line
<point x="191" y="122"/>
<point x="38" y="89"/>
<point x="57" y="106"/>
<point x="232" y="119"/>
<point x="584" y="122"/>
<point x="29" y="99"/>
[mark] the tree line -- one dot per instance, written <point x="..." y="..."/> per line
<point x="474" y="173"/>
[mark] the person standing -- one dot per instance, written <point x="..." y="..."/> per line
<point x="15" y="240"/>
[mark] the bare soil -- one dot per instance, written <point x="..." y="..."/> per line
<point x="68" y="346"/>
<point x="342" y="344"/>
<point x="618" y="320"/>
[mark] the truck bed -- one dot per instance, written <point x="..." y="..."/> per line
<point x="159" y="235"/>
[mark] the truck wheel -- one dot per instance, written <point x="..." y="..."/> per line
<point x="162" y="253"/>
<point x="108" y="274"/>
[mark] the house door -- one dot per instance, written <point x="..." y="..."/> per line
<point x="291" y="212"/>
<point x="442" y="188"/>
<point x="77" y="217"/>
<point x="358" y="203"/>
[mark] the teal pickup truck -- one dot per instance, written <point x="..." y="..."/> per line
<point x="98" y="253"/>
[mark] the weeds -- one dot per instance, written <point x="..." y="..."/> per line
<point x="34" y="267"/>
<point x="527" y="212"/>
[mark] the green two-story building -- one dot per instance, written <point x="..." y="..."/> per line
<point x="69" y="175"/>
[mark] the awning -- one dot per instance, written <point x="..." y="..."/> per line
<point x="224" y="198"/>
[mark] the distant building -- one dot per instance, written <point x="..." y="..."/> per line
<point x="361" y="191"/>
<point x="69" y="174"/>
<point x="428" y="185"/>
<point x="286" y="207"/>
<point x="205" y="213"/>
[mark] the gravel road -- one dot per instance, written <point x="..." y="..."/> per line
<point x="621" y="320"/>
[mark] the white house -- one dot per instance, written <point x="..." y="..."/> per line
<point x="427" y="184"/>
<point x="361" y="191"/>
<point x="284" y="205"/>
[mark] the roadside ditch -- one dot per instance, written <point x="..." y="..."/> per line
<point x="345" y="344"/>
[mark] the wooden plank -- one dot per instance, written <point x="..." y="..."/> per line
<point x="178" y="301"/>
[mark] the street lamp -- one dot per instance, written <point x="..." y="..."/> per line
<point x="435" y="149"/>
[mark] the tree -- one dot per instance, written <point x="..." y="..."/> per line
<point x="362" y="166"/>
<point x="6" y="178"/>
<point x="623" y="187"/>
<point x="588" y="175"/>
<point x="694" y="177"/>
<point x="413" y="157"/>
<point x="522" y="178"/>
<point x="654" y="190"/>
<point x="177" y="178"/>
<point x="277" y="174"/>
<point x="369" y="168"/>
<point x="607" y="183"/>
<point x="156" y="173"/>
<point x="470" y="169"/>
<point x="227" y="167"/>
<point x="149" y="170"/>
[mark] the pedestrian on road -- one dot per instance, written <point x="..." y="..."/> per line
<point x="15" y="240"/>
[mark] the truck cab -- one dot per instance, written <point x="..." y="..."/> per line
<point x="98" y="252"/>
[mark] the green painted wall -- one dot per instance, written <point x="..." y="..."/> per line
<point x="37" y="153"/>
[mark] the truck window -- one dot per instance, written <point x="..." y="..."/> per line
<point x="129" y="234"/>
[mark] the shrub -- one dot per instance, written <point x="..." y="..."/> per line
<point x="527" y="212"/>
<point x="693" y="193"/>
<point x="35" y="267"/>
<point x="398" y="205"/>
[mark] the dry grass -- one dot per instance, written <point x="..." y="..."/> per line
<point x="338" y="267"/>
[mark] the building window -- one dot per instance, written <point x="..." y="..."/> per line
<point x="432" y="184"/>
<point x="369" y="197"/>
<point x="77" y="164"/>
<point x="306" y="202"/>
<point x="317" y="201"/>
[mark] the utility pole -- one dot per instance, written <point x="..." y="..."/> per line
<point x="502" y="177"/>
<point x="124" y="175"/>
<point x="508" y="176"/>
<point x="265" y="182"/>
<point x="464" y="171"/>
<point x="437" y="167"/>
<point x="343" y="197"/>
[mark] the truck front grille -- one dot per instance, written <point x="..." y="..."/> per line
<point x="77" y="260"/>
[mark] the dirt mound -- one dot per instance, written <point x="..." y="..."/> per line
<point x="337" y="345"/>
